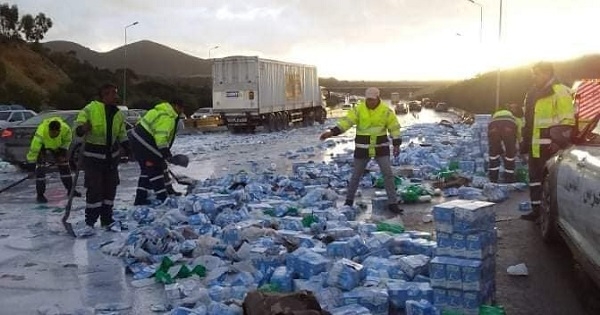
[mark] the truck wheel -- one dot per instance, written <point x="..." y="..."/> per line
<point x="265" y="123"/>
<point x="272" y="122"/>
<point x="278" y="121"/>
<point x="321" y="115"/>
<point x="311" y="118"/>
<point x="286" y="121"/>
<point x="548" y="212"/>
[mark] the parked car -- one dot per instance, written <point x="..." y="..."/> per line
<point x="132" y="116"/>
<point x="13" y="116"/>
<point x="414" y="106"/>
<point x="11" y="107"/>
<point x="401" y="109"/>
<point x="16" y="139"/>
<point x="441" y="107"/>
<point x="571" y="197"/>
<point x="206" y="116"/>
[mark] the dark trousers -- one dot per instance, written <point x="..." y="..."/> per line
<point x="41" y="168"/>
<point x="536" y="173"/>
<point x="154" y="175"/>
<point x="502" y="132"/>
<point x="101" y="183"/>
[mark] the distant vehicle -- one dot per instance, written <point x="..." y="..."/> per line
<point x="441" y="107"/>
<point x="395" y="98"/>
<point x="414" y="106"/>
<point x="249" y="92"/>
<point x="13" y="116"/>
<point x="401" y="109"/>
<point x="11" y="107"/>
<point x="427" y="103"/>
<point x="17" y="138"/>
<point x="570" y="195"/>
<point x="132" y="116"/>
<point x="206" y="116"/>
<point x="203" y="112"/>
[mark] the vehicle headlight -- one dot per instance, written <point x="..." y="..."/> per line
<point x="204" y="116"/>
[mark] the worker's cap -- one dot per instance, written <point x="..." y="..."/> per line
<point x="372" y="92"/>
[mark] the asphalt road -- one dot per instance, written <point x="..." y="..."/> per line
<point x="40" y="267"/>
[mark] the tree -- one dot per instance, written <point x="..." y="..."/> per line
<point x="9" y="21"/>
<point x="26" y="26"/>
<point x="41" y="26"/>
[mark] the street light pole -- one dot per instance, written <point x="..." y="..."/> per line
<point x="498" y="61"/>
<point x="212" y="49"/>
<point x="480" y="20"/>
<point x="125" y="64"/>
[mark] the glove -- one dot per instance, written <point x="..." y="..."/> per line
<point x="30" y="175"/>
<point x="179" y="159"/>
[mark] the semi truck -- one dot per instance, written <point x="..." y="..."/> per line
<point x="250" y="92"/>
<point x="395" y="98"/>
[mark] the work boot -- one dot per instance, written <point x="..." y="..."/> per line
<point x="533" y="215"/>
<point x="173" y="192"/>
<point x="41" y="199"/>
<point x="395" y="209"/>
<point x="349" y="202"/>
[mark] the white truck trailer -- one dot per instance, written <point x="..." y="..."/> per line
<point x="249" y="92"/>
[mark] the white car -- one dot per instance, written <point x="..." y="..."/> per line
<point x="10" y="117"/>
<point x="571" y="195"/>
<point x="202" y="113"/>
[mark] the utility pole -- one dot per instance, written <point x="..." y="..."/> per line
<point x="125" y="64"/>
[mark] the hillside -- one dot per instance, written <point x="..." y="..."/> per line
<point x="27" y="77"/>
<point x="143" y="57"/>
<point x="479" y="94"/>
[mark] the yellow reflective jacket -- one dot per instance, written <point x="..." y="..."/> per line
<point x="99" y="146"/>
<point x="41" y="138"/>
<point x="372" y="128"/>
<point x="505" y="114"/>
<point x="161" y="123"/>
<point x="557" y="108"/>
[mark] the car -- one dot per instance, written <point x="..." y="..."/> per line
<point x="11" y="107"/>
<point x="570" y="195"/>
<point x="401" y="109"/>
<point x="414" y="106"/>
<point x="12" y="116"/>
<point x="16" y="139"/>
<point x="441" y="107"/>
<point x="132" y="116"/>
<point x="205" y="116"/>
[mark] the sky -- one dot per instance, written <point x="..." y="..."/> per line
<point x="345" y="39"/>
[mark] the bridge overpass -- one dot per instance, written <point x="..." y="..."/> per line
<point x="405" y="90"/>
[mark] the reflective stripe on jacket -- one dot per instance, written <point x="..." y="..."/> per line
<point x="372" y="128"/>
<point x="552" y="110"/>
<point x="97" y="146"/>
<point x="505" y="114"/>
<point x="41" y="138"/>
<point x="161" y="123"/>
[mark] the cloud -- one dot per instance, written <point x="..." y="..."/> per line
<point x="342" y="37"/>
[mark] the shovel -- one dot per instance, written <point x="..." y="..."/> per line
<point x="14" y="184"/>
<point x="183" y="180"/>
<point x="65" y="217"/>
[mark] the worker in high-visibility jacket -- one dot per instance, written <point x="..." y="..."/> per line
<point x="102" y="125"/>
<point x="52" y="137"/>
<point x="547" y="104"/>
<point x="504" y="132"/>
<point x="374" y="120"/>
<point x="151" y="141"/>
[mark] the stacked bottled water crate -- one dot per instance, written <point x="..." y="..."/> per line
<point x="481" y="137"/>
<point x="463" y="271"/>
